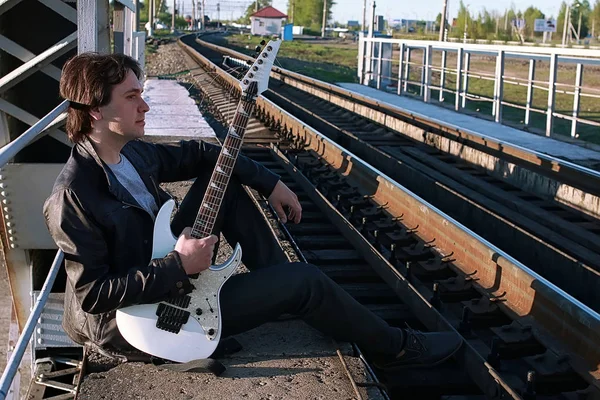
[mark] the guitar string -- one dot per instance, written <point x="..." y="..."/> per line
<point x="207" y="216"/>
<point x="213" y="197"/>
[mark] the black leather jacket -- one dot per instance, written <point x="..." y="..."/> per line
<point x="107" y="237"/>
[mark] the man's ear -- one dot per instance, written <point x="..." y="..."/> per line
<point x="96" y="114"/>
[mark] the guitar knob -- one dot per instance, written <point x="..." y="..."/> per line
<point x="198" y="311"/>
<point x="211" y="331"/>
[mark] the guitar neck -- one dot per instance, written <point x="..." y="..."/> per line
<point x="209" y="209"/>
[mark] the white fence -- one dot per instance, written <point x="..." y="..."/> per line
<point x="416" y="68"/>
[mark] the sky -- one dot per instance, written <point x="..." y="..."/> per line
<point x="346" y="10"/>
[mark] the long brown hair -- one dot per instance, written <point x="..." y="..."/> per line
<point x="87" y="81"/>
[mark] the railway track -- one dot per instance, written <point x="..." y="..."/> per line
<point x="560" y="242"/>
<point x="410" y="262"/>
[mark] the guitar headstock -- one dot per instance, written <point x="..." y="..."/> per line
<point x="261" y="68"/>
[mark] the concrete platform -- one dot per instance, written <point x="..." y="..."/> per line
<point x="172" y="111"/>
<point x="481" y="127"/>
<point x="280" y="360"/>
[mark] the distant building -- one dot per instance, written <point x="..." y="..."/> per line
<point x="353" y="24"/>
<point x="379" y="23"/>
<point x="267" y="21"/>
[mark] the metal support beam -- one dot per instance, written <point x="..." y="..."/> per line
<point x="31" y="120"/>
<point x="465" y="89"/>
<point x="407" y="69"/>
<point x="7" y="153"/>
<point x="87" y="26"/>
<point x="551" y="94"/>
<point x="6" y="5"/>
<point x="530" y="85"/>
<point x="499" y="86"/>
<point x="459" y="66"/>
<point x="25" y="55"/>
<point x="379" y="65"/>
<point x="61" y="9"/>
<point x="361" y="61"/>
<point x="443" y="76"/>
<point x="118" y="28"/>
<point x="423" y="62"/>
<point x="4" y="132"/>
<point x="40" y="61"/>
<point x="428" y="57"/>
<point x="401" y="67"/>
<point x="576" y="98"/>
<point x="19" y="278"/>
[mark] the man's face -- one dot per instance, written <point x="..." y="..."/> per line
<point x="125" y="113"/>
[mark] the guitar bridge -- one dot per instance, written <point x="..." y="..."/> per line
<point x="171" y="319"/>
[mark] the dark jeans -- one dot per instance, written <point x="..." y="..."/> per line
<point x="275" y="286"/>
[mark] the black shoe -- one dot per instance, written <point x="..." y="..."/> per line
<point x="423" y="349"/>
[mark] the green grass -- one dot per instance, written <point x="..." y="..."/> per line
<point x="327" y="62"/>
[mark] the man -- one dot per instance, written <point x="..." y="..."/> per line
<point x="101" y="213"/>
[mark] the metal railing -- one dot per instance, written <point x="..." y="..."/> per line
<point x="395" y="65"/>
<point x="90" y="36"/>
<point x="15" y="359"/>
<point x="6" y="154"/>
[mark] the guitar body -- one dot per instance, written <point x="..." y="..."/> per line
<point x="199" y="336"/>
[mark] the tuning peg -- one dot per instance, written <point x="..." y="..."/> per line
<point x="258" y="49"/>
<point x="263" y="42"/>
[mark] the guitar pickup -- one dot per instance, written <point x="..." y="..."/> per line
<point x="179" y="301"/>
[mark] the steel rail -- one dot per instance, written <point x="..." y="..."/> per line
<point x="576" y="310"/>
<point x="509" y="148"/>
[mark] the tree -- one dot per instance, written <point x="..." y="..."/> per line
<point x="486" y="26"/>
<point x="580" y="12"/>
<point x="309" y="13"/>
<point x="462" y="18"/>
<point x="251" y="10"/>
<point x="594" y="20"/>
<point x="530" y="15"/>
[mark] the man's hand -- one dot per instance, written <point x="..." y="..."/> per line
<point x="196" y="254"/>
<point x="282" y="196"/>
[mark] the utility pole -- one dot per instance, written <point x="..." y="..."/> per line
<point x="443" y="20"/>
<point x="173" y="18"/>
<point x="292" y="16"/>
<point x="364" y="24"/>
<point x="566" y="25"/>
<point x="324" y="18"/>
<point x="579" y="25"/>
<point x="194" y="23"/>
<point x="136" y="23"/>
<point x="218" y="15"/>
<point x="256" y="6"/>
<point x="372" y="27"/>
<point x="466" y="27"/>
<point x="151" y="18"/>
<point x="202" y="13"/>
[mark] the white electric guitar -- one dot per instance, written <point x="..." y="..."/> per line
<point x="188" y="328"/>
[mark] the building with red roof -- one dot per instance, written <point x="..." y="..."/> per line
<point x="267" y="21"/>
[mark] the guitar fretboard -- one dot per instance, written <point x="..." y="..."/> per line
<point x="209" y="209"/>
